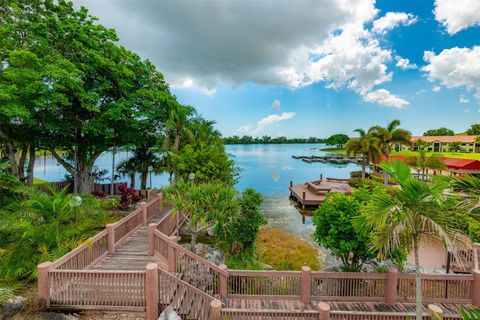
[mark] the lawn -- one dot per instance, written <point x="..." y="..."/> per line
<point x="458" y="155"/>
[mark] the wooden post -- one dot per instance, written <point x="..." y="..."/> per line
<point x="321" y="176"/>
<point x="43" y="284"/>
<point x="151" y="238"/>
<point x="391" y="286"/>
<point x="323" y="311"/>
<point x="303" y="198"/>
<point x="291" y="183"/>
<point x="435" y="312"/>
<point x="172" y="254"/>
<point x="151" y="291"/>
<point x="223" y="282"/>
<point x="110" y="237"/>
<point x="306" y="285"/>
<point x="143" y="205"/>
<point x="215" y="309"/>
<point x="476" y="288"/>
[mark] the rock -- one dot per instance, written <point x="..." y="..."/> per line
<point x="169" y="314"/>
<point x="208" y="252"/>
<point x="13" y="306"/>
<point x="53" y="316"/>
<point x="266" y="266"/>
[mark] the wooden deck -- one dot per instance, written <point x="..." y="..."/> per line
<point x="449" y="310"/>
<point x="306" y="197"/>
<point x="132" y="253"/>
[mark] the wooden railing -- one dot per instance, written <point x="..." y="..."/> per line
<point x="97" y="288"/>
<point x="285" y="284"/>
<point x="188" y="301"/>
<point x="437" y="288"/>
<point x="84" y="255"/>
<point x="348" y="286"/>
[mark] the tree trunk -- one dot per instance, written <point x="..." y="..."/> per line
<point x="193" y="242"/>
<point x="132" y="180"/>
<point x="21" y="162"/>
<point x="112" y="183"/>
<point x="363" y="166"/>
<point x="85" y="179"/>
<point x="385" y="175"/>
<point x="418" y="281"/>
<point x="31" y="164"/>
<point x="176" y="143"/>
<point x="143" y="179"/>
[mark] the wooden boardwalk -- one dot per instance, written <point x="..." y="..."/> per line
<point x="132" y="253"/>
<point x="306" y="197"/>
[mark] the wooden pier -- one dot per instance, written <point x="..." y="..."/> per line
<point x="313" y="193"/>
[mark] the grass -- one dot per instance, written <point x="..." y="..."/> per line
<point x="458" y="155"/>
<point x="333" y="149"/>
<point x="286" y="252"/>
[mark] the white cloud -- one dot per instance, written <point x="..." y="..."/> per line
<point x="384" y="97"/>
<point x="391" y="20"/>
<point x="455" y="67"/>
<point x="276" y="104"/>
<point x="466" y="111"/>
<point x="456" y="15"/>
<point x="244" y="129"/>
<point x="404" y="63"/>
<point x="264" y="123"/>
<point x="463" y="99"/>
<point x="436" y="89"/>
<point x="189" y="83"/>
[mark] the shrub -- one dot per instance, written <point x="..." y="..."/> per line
<point x="99" y="193"/>
<point x="128" y="196"/>
<point x="285" y="252"/>
<point x="335" y="231"/>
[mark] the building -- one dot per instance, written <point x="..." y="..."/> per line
<point x="442" y="143"/>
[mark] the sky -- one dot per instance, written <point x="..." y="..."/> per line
<point x="301" y="68"/>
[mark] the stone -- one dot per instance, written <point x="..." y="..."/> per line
<point x="169" y="314"/>
<point x="208" y="252"/>
<point x="53" y="316"/>
<point x="13" y="306"/>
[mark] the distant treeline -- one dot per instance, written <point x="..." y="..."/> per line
<point x="269" y="140"/>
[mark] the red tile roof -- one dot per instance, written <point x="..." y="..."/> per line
<point x="445" y="139"/>
<point x="452" y="163"/>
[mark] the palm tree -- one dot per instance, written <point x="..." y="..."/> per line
<point x="469" y="185"/>
<point x="128" y="168"/>
<point x="143" y="158"/>
<point x="367" y="146"/>
<point x="455" y="146"/>
<point x="177" y="119"/>
<point x="423" y="163"/>
<point x="389" y="135"/>
<point x="416" y="211"/>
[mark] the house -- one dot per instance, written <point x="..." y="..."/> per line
<point x="454" y="165"/>
<point x="442" y="143"/>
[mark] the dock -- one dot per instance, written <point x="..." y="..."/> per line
<point x="313" y="193"/>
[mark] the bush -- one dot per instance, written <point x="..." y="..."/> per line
<point x="238" y="229"/>
<point x="99" y="194"/>
<point x="128" y="196"/>
<point x="335" y="231"/>
<point x="285" y="252"/>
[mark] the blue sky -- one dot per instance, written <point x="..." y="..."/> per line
<point x="307" y="68"/>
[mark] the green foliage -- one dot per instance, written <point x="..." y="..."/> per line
<point x="334" y="229"/>
<point x="455" y="146"/>
<point x="337" y="140"/>
<point x="439" y="132"/>
<point x="209" y="162"/>
<point x="473" y="130"/>
<point x="39" y="227"/>
<point x="238" y="230"/>
<point x="469" y="314"/>
<point x="367" y="146"/>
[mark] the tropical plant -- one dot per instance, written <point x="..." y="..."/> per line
<point x="178" y="117"/>
<point x="42" y="226"/>
<point x="455" y="146"/>
<point x="201" y="205"/>
<point x="469" y="186"/>
<point x="128" y="168"/>
<point x="421" y="145"/>
<point x="128" y="196"/>
<point x="423" y="162"/>
<point x="416" y="212"/>
<point x="389" y="135"/>
<point x="439" y="132"/>
<point x="367" y="146"/>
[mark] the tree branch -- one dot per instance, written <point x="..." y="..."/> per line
<point x="60" y="160"/>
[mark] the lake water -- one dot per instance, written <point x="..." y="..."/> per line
<point x="266" y="168"/>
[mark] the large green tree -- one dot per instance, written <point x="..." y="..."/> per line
<point x="439" y="132"/>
